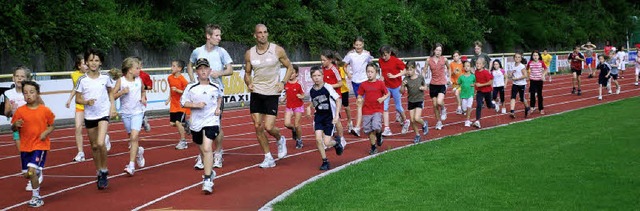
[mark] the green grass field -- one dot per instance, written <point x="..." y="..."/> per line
<point x="582" y="160"/>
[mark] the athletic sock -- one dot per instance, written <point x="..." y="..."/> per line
<point x="324" y="160"/>
<point x="268" y="155"/>
<point x="35" y="192"/>
<point x="131" y="163"/>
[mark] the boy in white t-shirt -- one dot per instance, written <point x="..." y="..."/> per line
<point x="204" y="99"/>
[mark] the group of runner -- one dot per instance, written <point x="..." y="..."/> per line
<point x="196" y="108"/>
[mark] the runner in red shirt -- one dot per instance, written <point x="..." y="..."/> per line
<point x="484" y="80"/>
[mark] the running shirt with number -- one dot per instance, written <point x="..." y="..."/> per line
<point x="208" y="94"/>
<point x="358" y="63"/>
<point x="536" y="69"/>
<point x="95" y="88"/>
<point x="392" y="66"/>
<point x="16" y="98"/>
<point x="517" y="73"/>
<point x="498" y="78"/>
<point x="332" y="76"/>
<point x="130" y="102"/>
<point x="372" y="91"/>
<point x="292" y="90"/>
<point x="35" y="121"/>
<point x="438" y="68"/>
<point x="266" y="70"/>
<point x="324" y="101"/>
<point x="218" y="58"/>
<point x="75" y="75"/>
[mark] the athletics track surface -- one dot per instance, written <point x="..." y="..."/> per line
<point x="169" y="181"/>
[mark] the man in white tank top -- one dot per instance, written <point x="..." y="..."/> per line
<point x="262" y="77"/>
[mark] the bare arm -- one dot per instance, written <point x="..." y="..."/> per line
<point x="46" y="132"/>
<point x="282" y="56"/>
<point x="73" y="94"/>
<point x="117" y="93"/>
<point x="190" y="71"/>
<point x="7" y="107"/>
<point x="112" y="100"/>
<point x="247" y="71"/>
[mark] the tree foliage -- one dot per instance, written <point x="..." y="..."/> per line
<point x="55" y="27"/>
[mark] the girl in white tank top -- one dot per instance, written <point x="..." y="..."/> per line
<point x="132" y="99"/>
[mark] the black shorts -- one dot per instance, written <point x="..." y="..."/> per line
<point x="518" y="90"/>
<point x="176" y="117"/>
<point x="326" y="127"/>
<point x="210" y="131"/>
<point x="614" y="76"/>
<point x="345" y="99"/>
<point x="414" y="105"/>
<point x="604" y="81"/>
<point x="94" y="123"/>
<point x="264" y="104"/>
<point x="434" y="90"/>
<point x="578" y="72"/>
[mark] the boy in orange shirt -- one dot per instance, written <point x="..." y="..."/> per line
<point x="34" y="122"/>
<point x="177" y="114"/>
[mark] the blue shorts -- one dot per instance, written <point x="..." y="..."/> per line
<point x="589" y="60"/>
<point x="132" y="121"/>
<point x="33" y="159"/>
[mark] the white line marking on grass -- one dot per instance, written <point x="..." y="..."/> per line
<point x="269" y="205"/>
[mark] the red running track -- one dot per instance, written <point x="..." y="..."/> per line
<point x="170" y="182"/>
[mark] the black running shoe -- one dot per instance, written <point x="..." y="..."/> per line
<point x="339" y="148"/>
<point x="379" y="139"/>
<point x="573" y="91"/>
<point x="579" y="92"/>
<point x="299" y="144"/>
<point x="373" y="151"/>
<point x="325" y="166"/>
<point x="526" y="112"/>
<point x="103" y="182"/>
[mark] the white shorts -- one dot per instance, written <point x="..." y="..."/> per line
<point x="637" y="70"/>
<point x="622" y="66"/>
<point x="467" y="103"/>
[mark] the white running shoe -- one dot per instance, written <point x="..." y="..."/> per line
<point x="79" y="157"/>
<point x="268" y="162"/>
<point x="198" y="165"/>
<point x="386" y="132"/>
<point x="356" y="132"/>
<point x="207" y="186"/>
<point x="504" y="110"/>
<point x="350" y="126"/>
<point x="599" y="97"/>
<point x="35" y="202"/>
<point x="405" y="126"/>
<point x="145" y="124"/>
<point x="107" y="142"/>
<point x="343" y="142"/>
<point x="439" y="125"/>
<point x="618" y="91"/>
<point x="129" y="169"/>
<point x="443" y="114"/>
<point x="477" y="124"/>
<point x="140" y="157"/>
<point x="182" y="144"/>
<point x="609" y="91"/>
<point x="496" y="106"/>
<point x="459" y="111"/>
<point x="636" y="83"/>
<point x="282" y="147"/>
<point x="467" y="123"/>
<point x="217" y="160"/>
